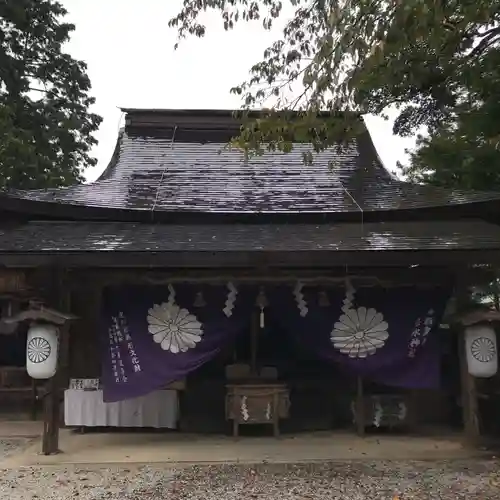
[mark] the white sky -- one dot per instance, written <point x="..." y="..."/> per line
<point x="131" y="61"/>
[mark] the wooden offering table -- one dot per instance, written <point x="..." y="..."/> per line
<point x="257" y="403"/>
<point x="381" y="410"/>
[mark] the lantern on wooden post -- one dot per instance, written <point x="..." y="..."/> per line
<point x="42" y="353"/>
<point x="480" y="341"/>
<point x="481" y="350"/>
<point x="42" y="348"/>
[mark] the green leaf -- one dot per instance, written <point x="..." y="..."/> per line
<point x="46" y="128"/>
<point x="435" y="62"/>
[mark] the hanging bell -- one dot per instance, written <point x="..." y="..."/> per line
<point x="199" y="300"/>
<point x="323" y="299"/>
<point x="262" y="303"/>
<point x="262" y="322"/>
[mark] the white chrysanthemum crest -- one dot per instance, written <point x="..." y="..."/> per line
<point x="358" y="332"/>
<point x="175" y="329"/>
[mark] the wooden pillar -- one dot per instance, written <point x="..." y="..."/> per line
<point x="52" y="400"/>
<point x="254" y="342"/>
<point x="470" y="407"/>
<point x="50" y="441"/>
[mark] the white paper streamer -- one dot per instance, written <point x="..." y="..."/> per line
<point x="299" y="297"/>
<point x="244" y="409"/>
<point x="402" y="411"/>
<point x="378" y="413"/>
<point x="349" y="296"/>
<point x="268" y="411"/>
<point x="231" y="299"/>
<point x="171" y="294"/>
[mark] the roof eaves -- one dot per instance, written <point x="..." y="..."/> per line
<point x="66" y="211"/>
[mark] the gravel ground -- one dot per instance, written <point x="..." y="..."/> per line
<point x="457" y="480"/>
<point x="8" y="446"/>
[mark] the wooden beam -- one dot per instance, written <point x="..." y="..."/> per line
<point x="234" y="259"/>
<point x="363" y="276"/>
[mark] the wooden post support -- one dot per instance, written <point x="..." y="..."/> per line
<point x="360" y="407"/>
<point x="52" y="406"/>
<point x="50" y="442"/>
<point x="470" y="408"/>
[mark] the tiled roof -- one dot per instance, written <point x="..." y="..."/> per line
<point x="67" y="237"/>
<point x="154" y="171"/>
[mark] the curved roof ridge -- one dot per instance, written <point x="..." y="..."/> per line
<point x="115" y="158"/>
<point x="154" y="175"/>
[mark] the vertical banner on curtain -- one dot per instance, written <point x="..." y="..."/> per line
<point x="152" y="336"/>
<point x="385" y="334"/>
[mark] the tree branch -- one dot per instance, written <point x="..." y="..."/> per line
<point x="487" y="40"/>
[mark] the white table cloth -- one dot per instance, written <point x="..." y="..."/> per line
<point x="158" y="409"/>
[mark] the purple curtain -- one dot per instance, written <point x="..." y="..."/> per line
<point x="386" y="335"/>
<point x="155" y="335"/>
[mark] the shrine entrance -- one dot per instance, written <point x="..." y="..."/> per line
<point x="254" y="360"/>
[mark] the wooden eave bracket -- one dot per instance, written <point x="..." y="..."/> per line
<point x="476" y="316"/>
<point x="38" y="312"/>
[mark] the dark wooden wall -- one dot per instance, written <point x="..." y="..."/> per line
<point x="84" y="352"/>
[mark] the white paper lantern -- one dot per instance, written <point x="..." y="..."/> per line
<point x="481" y="350"/>
<point x="41" y="351"/>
